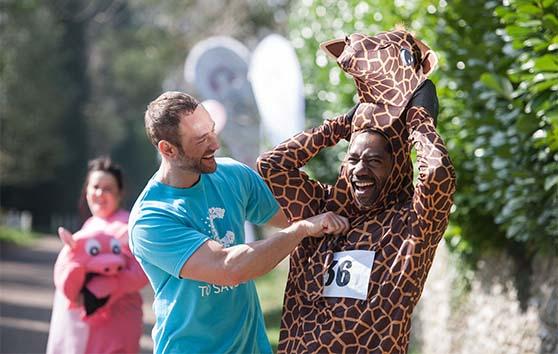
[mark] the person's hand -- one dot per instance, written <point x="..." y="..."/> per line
<point x="346" y="121"/>
<point x="425" y="96"/>
<point x="69" y="277"/>
<point x="350" y="114"/>
<point x="319" y="225"/>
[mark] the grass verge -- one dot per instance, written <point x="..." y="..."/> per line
<point x="15" y="236"/>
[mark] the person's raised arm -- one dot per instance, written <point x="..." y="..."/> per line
<point x="280" y="167"/>
<point x="433" y="195"/>
<point x="237" y="264"/>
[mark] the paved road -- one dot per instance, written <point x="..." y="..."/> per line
<point x="26" y="293"/>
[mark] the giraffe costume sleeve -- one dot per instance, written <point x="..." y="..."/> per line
<point x="299" y="196"/>
<point x="432" y="199"/>
<point x="398" y="233"/>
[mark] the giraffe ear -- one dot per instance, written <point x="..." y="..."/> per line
<point x="429" y="61"/>
<point x="333" y="48"/>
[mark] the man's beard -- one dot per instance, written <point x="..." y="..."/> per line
<point x="195" y="165"/>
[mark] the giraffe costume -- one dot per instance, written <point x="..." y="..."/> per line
<point x="402" y="227"/>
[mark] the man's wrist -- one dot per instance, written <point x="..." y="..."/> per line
<point x="297" y="230"/>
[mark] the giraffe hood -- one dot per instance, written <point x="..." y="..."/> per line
<point x="387" y="67"/>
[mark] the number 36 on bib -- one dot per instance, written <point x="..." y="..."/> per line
<point x="349" y="274"/>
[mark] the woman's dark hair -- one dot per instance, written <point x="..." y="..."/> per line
<point x="104" y="164"/>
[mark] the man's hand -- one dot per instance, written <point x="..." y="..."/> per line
<point x="425" y="96"/>
<point x="319" y="225"/>
<point x="345" y="122"/>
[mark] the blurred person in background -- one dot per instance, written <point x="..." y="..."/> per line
<point x="70" y="330"/>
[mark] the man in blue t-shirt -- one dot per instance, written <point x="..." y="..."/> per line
<point x="187" y="232"/>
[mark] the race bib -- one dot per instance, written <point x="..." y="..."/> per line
<point x="349" y="274"/>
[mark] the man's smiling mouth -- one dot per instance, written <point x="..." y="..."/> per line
<point x="364" y="184"/>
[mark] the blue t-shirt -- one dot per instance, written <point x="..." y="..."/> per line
<point x="167" y="225"/>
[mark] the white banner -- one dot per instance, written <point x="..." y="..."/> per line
<point x="278" y="88"/>
<point x="218" y="67"/>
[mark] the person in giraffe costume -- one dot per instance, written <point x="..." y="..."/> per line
<point x="356" y="293"/>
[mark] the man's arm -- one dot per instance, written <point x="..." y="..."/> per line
<point x="279" y="220"/>
<point x="433" y="196"/>
<point x="214" y="264"/>
<point x="299" y="196"/>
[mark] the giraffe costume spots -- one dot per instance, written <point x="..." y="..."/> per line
<point x="403" y="226"/>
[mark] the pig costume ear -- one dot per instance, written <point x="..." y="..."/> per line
<point x="66" y="237"/>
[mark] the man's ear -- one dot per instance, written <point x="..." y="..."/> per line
<point x="333" y="48"/>
<point x="167" y="149"/>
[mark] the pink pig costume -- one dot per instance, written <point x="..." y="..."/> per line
<point x="113" y="324"/>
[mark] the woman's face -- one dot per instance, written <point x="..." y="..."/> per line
<point x="102" y="193"/>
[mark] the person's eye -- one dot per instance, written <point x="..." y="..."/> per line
<point x="373" y="162"/>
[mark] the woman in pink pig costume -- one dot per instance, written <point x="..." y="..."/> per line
<point x="97" y="305"/>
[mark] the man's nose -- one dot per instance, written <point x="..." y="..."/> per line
<point x="359" y="168"/>
<point x="215" y="142"/>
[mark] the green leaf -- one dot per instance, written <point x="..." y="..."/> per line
<point x="529" y="9"/>
<point x="550" y="22"/>
<point x="547" y="62"/>
<point x="527" y="124"/>
<point x="541" y="101"/>
<point x="499" y="84"/>
<point x="530" y="24"/>
<point x="550" y="182"/>
<point x="542" y="86"/>
<point x="531" y="42"/>
<point x="517" y="31"/>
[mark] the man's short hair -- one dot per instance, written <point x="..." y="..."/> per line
<point x="163" y="116"/>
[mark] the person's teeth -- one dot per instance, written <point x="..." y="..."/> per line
<point x="364" y="184"/>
